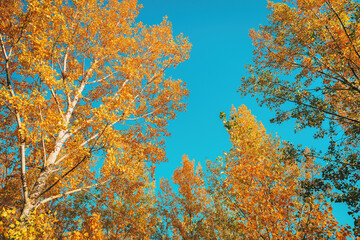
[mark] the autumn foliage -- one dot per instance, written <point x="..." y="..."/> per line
<point x="184" y="214"/>
<point x="266" y="190"/>
<point x="253" y="191"/>
<point x="306" y="66"/>
<point x="84" y="106"/>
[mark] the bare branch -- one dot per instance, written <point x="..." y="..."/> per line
<point x="65" y="59"/>
<point x="42" y="136"/>
<point x="321" y="110"/>
<point x="22" y="149"/>
<point x="83" y="83"/>
<point x="142" y="116"/>
<point x="73" y="191"/>
<point x="63" y="176"/>
<point x="3" y="48"/>
<point x="53" y="94"/>
<point x="76" y="149"/>
<point x="23" y="171"/>
<point x="81" y="161"/>
<point x="104" y="78"/>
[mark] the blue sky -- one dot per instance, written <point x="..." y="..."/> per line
<point x="219" y="33"/>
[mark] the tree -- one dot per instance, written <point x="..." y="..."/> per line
<point x="264" y="190"/>
<point x="198" y="208"/>
<point x="254" y="192"/>
<point x="306" y="66"/>
<point x="184" y="215"/>
<point x="83" y="96"/>
<point x="127" y="211"/>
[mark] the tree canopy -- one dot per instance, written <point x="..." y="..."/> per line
<point x="306" y="67"/>
<point x="84" y="100"/>
<point x="252" y="192"/>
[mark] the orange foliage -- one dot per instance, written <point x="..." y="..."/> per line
<point x="306" y="66"/>
<point x="251" y="193"/>
<point x="39" y="225"/>
<point x="184" y="214"/>
<point x="84" y="101"/>
<point x="267" y="192"/>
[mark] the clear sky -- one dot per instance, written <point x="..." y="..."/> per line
<point x="219" y="33"/>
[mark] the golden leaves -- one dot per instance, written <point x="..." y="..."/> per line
<point x="249" y="193"/>
<point x="186" y="210"/>
<point x="266" y="190"/>
<point x="39" y="225"/>
<point x="308" y="56"/>
<point x="88" y="101"/>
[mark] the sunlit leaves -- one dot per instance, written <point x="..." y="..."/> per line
<point x="265" y="191"/>
<point x="306" y="66"/>
<point x="84" y="106"/>
<point x="255" y="191"/>
<point x="185" y="214"/>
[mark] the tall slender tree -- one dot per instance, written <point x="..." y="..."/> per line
<point x="185" y="214"/>
<point x="264" y="189"/>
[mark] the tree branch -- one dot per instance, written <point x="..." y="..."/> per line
<point x="22" y="149"/>
<point x="320" y="110"/>
<point x="73" y="191"/>
<point x="53" y="94"/>
<point x="78" y="164"/>
<point x="73" y="103"/>
<point x="42" y="137"/>
<point x="343" y="27"/>
<point x="3" y="48"/>
<point x="104" y="78"/>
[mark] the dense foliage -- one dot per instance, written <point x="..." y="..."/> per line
<point x="250" y="193"/>
<point x="307" y="66"/>
<point x="84" y="108"/>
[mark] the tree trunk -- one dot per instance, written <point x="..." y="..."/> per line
<point x="35" y="195"/>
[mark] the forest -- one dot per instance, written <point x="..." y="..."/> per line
<point x="86" y="102"/>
